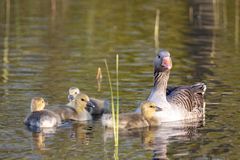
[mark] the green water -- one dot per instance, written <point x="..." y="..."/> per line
<point x="48" y="46"/>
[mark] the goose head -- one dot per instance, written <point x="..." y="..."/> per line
<point x="82" y="102"/>
<point x="37" y="104"/>
<point x="149" y="109"/>
<point x="162" y="61"/>
<point x="72" y="93"/>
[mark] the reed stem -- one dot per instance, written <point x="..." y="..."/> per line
<point x="112" y="102"/>
<point x="99" y="79"/>
<point x="117" y="105"/>
<point x="156" y="31"/>
<point x="115" y="113"/>
<point x="116" y="153"/>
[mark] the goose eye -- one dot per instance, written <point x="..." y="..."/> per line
<point x="159" y="56"/>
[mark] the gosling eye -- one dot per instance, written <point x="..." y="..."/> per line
<point x="151" y="106"/>
<point x="159" y="56"/>
<point x="42" y="101"/>
<point x="76" y="93"/>
<point x="82" y="99"/>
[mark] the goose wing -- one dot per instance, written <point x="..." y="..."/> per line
<point x="188" y="97"/>
<point x="170" y="89"/>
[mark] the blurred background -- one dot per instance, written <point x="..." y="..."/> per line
<point x="48" y="46"/>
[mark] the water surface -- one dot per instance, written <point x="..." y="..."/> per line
<point x="49" y="46"/>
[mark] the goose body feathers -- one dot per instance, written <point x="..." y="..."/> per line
<point x="177" y="103"/>
<point x="135" y="120"/>
<point x="101" y="106"/>
<point x="80" y="111"/>
<point x="40" y="117"/>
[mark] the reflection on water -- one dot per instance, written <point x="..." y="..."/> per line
<point x="49" y="46"/>
<point x="38" y="140"/>
<point x="82" y="132"/>
<point x="237" y="6"/>
<point x="158" y="139"/>
<point x="5" y="68"/>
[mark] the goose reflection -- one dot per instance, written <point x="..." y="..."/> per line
<point x="39" y="137"/>
<point x="82" y="132"/>
<point x="38" y="140"/>
<point x="158" y="139"/>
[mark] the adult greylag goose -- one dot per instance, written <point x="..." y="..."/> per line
<point x="101" y="106"/>
<point x="80" y="112"/>
<point x="40" y="117"/>
<point x="177" y="103"/>
<point x="135" y="120"/>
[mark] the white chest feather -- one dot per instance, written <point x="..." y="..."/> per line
<point x="48" y="123"/>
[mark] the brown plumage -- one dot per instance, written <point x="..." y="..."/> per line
<point x="101" y="106"/>
<point x="80" y="112"/>
<point x="178" y="103"/>
<point x="135" y="120"/>
<point x="190" y="97"/>
<point x="40" y="117"/>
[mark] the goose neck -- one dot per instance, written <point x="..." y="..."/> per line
<point x="161" y="80"/>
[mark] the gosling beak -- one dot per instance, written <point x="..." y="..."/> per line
<point x="158" y="109"/>
<point x="90" y="106"/>
<point x="167" y="63"/>
<point x="70" y="97"/>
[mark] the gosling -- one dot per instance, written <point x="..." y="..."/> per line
<point x="101" y="106"/>
<point x="81" y="110"/>
<point x="40" y="117"/>
<point x="135" y="120"/>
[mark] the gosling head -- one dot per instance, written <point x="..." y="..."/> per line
<point x="72" y="93"/>
<point x="162" y="61"/>
<point x="82" y="102"/>
<point x="37" y="104"/>
<point x="149" y="109"/>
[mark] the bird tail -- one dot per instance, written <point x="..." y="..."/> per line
<point x="199" y="88"/>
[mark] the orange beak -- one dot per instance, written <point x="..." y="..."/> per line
<point x="167" y="62"/>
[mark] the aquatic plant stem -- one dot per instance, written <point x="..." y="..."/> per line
<point x="112" y="102"/>
<point x="156" y="30"/>
<point x="116" y="153"/>
<point x="117" y="105"/>
<point x="99" y="79"/>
